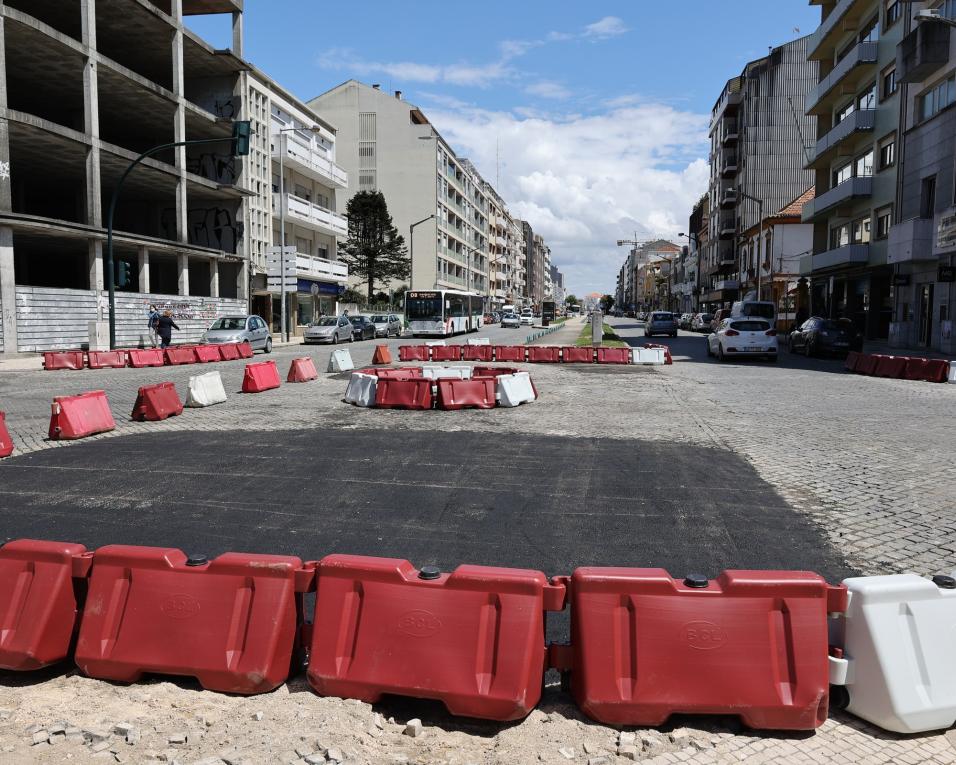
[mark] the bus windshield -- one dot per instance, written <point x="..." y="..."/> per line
<point x="424" y="309"/>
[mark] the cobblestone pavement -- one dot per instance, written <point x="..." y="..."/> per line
<point x="869" y="460"/>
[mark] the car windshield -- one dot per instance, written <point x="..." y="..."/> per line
<point x="230" y="323"/>
<point x="844" y="324"/>
<point x="763" y="310"/>
<point x="750" y="326"/>
<point x="706" y="317"/>
<point x="359" y="319"/>
<point x="379" y="320"/>
<point x="662" y="317"/>
<point x="326" y="321"/>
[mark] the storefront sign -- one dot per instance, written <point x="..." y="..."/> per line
<point x="901" y="280"/>
<point x="319" y="288"/>
<point x="946" y="274"/>
<point x="946" y="233"/>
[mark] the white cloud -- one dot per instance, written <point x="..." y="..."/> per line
<point x="548" y="89"/>
<point x="585" y="181"/>
<point x="609" y="26"/>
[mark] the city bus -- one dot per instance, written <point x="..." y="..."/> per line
<point x="441" y="313"/>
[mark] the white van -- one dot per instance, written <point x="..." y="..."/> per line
<point x="754" y="309"/>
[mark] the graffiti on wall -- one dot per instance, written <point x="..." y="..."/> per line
<point x="213" y="227"/>
<point x="220" y="168"/>
<point x="226" y="108"/>
<point x="183" y="310"/>
<point x="4" y="171"/>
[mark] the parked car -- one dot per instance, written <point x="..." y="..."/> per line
<point x="701" y="322"/>
<point x="362" y="327"/>
<point x="718" y="319"/>
<point x="685" y="320"/>
<point x="240" y="329"/>
<point x="661" y="323"/>
<point x="328" y="329"/>
<point x="817" y="336"/>
<point x="640" y="315"/>
<point x="387" y="324"/>
<point x="754" y="309"/>
<point x="743" y="337"/>
<point x="527" y="317"/>
<point x="510" y="320"/>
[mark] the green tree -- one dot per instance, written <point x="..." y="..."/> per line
<point x="571" y="300"/>
<point x="374" y="250"/>
<point x="607" y="303"/>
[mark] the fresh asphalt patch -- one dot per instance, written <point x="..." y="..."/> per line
<point x="444" y="498"/>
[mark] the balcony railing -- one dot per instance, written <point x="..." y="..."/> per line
<point x="849" y="189"/>
<point x="859" y="121"/>
<point x="911" y="240"/>
<point x="311" y="215"/>
<point x="727" y="227"/>
<point x="727" y="284"/>
<point x="864" y="53"/>
<point x="832" y="23"/>
<point x="922" y="51"/>
<point x="308" y="160"/>
<point x="842" y="256"/>
<point x="729" y="165"/>
<point x="311" y="265"/>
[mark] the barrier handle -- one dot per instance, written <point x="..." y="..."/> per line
<point x="556" y="593"/>
<point x="305" y="577"/>
<point x="560" y="657"/>
<point x="82" y="564"/>
<point x="837" y="599"/>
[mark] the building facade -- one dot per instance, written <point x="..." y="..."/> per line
<point x="84" y="89"/>
<point x="855" y="158"/>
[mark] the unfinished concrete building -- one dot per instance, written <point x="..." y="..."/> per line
<point x="86" y="86"/>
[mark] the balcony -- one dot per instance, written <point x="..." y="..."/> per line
<point x="850" y="255"/>
<point x="729" y="166"/>
<point x="859" y="121"/>
<point x="304" y="213"/>
<point x="731" y="98"/>
<point x="846" y="15"/>
<point x="310" y="266"/>
<point x="911" y="240"/>
<point x="314" y="164"/>
<point x="726" y="256"/>
<point x="729" y="200"/>
<point x="730" y="132"/>
<point x="850" y="189"/>
<point x="845" y="74"/>
<point x="922" y="51"/>
<point x="727" y="284"/>
<point x="727" y="227"/>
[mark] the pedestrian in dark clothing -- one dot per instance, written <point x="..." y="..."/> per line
<point x="164" y="328"/>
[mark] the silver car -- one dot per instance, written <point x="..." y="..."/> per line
<point x="387" y="324"/>
<point x="238" y="329"/>
<point x="328" y="329"/>
<point x="510" y="320"/>
<point x="661" y="323"/>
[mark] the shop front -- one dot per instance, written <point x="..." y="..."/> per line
<point x="312" y="300"/>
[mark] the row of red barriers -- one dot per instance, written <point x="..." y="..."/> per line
<point x="643" y="646"/>
<point x="898" y="367"/>
<point x="531" y="353"/>
<point x="146" y="357"/>
<point x="407" y="388"/>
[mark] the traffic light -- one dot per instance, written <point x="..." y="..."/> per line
<point x="122" y="274"/>
<point x="241" y="133"/>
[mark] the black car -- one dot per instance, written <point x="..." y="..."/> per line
<point x="818" y="336"/>
<point x="362" y="328"/>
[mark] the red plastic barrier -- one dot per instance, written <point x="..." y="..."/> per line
<point x="147" y="357"/>
<point x="477" y="393"/>
<point x="544" y="353"/>
<point x="6" y="443"/>
<point x="928" y="370"/>
<point x="573" y="355"/>
<point x="891" y="366"/>
<point x="382" y="355"/>
<point x="107" y="359"/>
<point x="413" y="353"/>
<point x="302" y="370"/>
<point x="245" y="350"/>
<point x="63" y="360"/>
<point x="473" y="640"/>
<point x="510" y="353"/>
<point x="492" y="371"/>
<point x="478" y="353"/>
<point x="207" y="353"/>
<point x="403" y="393"/>
<point x="613" y="355"/>
<point x="229" y="351"/>
<point x="852" y="359"/>
<point x="181" y="354"/>
<point x="157" y="402"/>
<point x="80" y="416"/>
<point x="260" y="376"/>
<point x="398" y="373"/>
<point x="749" y="643"/>
<point x="231" y="622"/>
<point x="446" y="353"/>
<point x="866" y="365"/>
<point x="38" y="601"/>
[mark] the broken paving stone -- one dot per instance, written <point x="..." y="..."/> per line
<point x="6" y="714"/>
<point x="567" y="752"/>
<point x="599" y="760"/>
<point x="40" y="737"/>
<point x="95" y="735"/>
<point x="378" y="721"/>
<point x="590" y="748"/>
<point x="626" y="738"/>
<point x="258" y="716"/>
<point x="413" y="728"/>
<point x="100" y="746"/>
<point x="178" y="739"/>
<point x="288" y="757"/>
<point x="315" y="759"/>
<point x="334" y="754"/>
<point x="628" y="752"/>
<point x="680" y="737"/>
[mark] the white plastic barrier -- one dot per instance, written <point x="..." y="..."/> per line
<point x="647" y="356"/>
<point x="340" y="361"/>
<point x="514" y="390"/>
<point x="435" y="342"/>
<point x="952" y="372"/>
<point x="361" y="389"/>
<point x="479" y="341"/>
<point x="205" y="390"/>
<point x="444" y="373"/>
<point x="898" y="640"/>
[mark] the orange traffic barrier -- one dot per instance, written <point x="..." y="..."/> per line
<point x="106" y="359"/>
<point x="6" y="443"/>
<point x="260" y="376"/>
<point x="80" y="416"/>
<point x="302" y="370"/>
<point x="146" y="357"/>
<point x="207" y="353"/>
<point x="382" y="355"/>
<point x="63" y="360"/>
<point x="157" y="402"/>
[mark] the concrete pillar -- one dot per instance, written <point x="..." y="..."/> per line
<point x="237" y="33"/>
<point x="143" y="258"/>
<point x="179" y="122"/>
<point x="213" y="277"/>
<point x="183" y="274"/>
<point x="243" y="286"/>
<point x="91" y="118"/>
<point x="95" y="264"/>
<point x="8" y="293"/>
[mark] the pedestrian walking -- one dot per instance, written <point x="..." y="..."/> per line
<point x="152" y="319"/>
<point x="164" y="328"/>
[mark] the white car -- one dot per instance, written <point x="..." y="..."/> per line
<point x="743" y="337"/>
<point x="510" y="320"/>
<point x="527" y="318"/>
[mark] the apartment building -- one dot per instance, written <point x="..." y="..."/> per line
<point x="699" y="268"/>
<point x="558" y="293"/>
<point x="84" y="89"/>
<point x="855" y="158"/>
<point x="922" y="242"/>
<point x="758" y="133"/>
<point x="291" y="141"/>
<point x="386" y="144"/>
<point x="507" y="278"/>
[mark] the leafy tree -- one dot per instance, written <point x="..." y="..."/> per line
<point x="571" y="300"/>
<point x="607" y="303"/>
<point x="381" y="298"/>
<point x="352" y="296"/>
<point x="374" y="250"/>
<point x="398" y="296"/>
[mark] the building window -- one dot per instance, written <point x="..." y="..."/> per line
<point x="860" y="230"/>
<point x="937" y="98"/>
<point x="889" y="82"/>
<point x="948" y="9"/>
<point x="888" y="152"/>
<point x="840" y="236"/>
<point x="867" y="99"/>
<point x="893" y="13"/>
<point x="843" y="113"/>
<point x="884" y="219"/>
<point x="927" y="197"/>
<point x="863" y="166"/>
<point x="842" y="174"/>
<point x="871" y="31"/>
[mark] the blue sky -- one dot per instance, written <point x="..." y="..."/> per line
<point x="594" y="114"/>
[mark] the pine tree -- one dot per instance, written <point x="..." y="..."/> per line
<point x="374" y="251"/>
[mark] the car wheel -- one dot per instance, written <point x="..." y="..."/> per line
<point x="268" y="347"/>
<point x="807" y="349"/>
<point x="335" y="338"/>
<point x="710" y="353"/>
<point x="790" y="346"/>
<point x="720" y="353"/>
<point x="352" y="337"/>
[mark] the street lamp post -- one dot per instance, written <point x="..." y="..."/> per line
<point x="411" y="243"/>
<point x="760" y="242"/>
